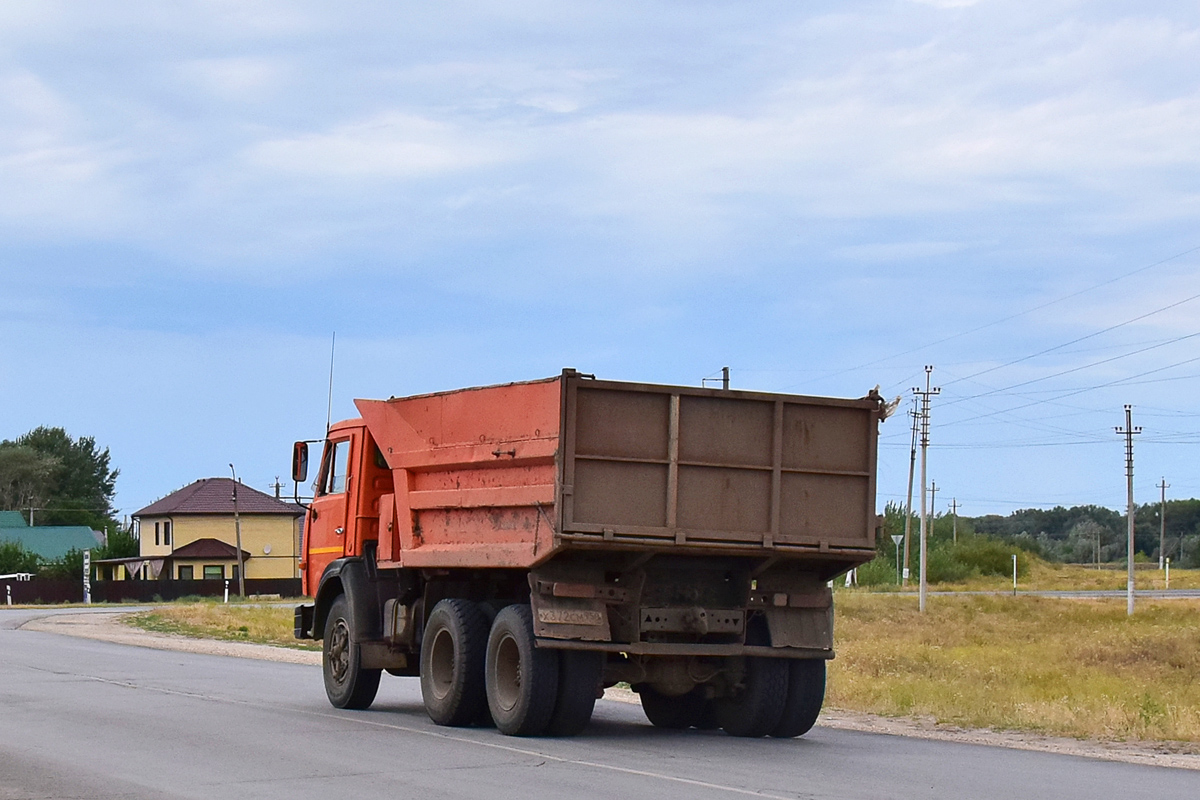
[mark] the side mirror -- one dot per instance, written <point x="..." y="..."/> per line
<point x="300" y="462"/>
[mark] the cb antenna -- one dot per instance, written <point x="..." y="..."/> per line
<point x="329" y="407"/>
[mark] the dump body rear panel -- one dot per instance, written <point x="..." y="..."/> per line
<point x="508" y="476"/>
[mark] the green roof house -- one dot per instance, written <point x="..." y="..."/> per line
<point x="49" y="542"/>
<point x="11" y="519"/>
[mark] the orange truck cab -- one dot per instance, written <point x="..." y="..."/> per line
<point x="520" y="547"/>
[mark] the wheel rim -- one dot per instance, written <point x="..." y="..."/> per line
<point x="441" y="664"/>
<point x="507" y="689"/>
<point x="339" y="651"/>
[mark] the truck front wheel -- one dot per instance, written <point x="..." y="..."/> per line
<point x="347" y="684"/>
<point x="521" y="680"/>
<point x="452" y="653"/>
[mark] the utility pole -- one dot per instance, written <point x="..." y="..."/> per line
<point x="237" y="524"/>
<point x="278" y="486"/>
<point x="954" y="518"/>
<point x="924" y="395"/>
<point x="1128" y="432"/>
<point x="1162" y="524"/>
<point x="912" y="465"/>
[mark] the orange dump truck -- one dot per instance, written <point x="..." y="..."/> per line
<point x="521" y="547"/>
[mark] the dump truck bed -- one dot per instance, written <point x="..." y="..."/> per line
<point x="512" y="475"/>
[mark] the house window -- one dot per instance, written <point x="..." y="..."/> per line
<point x="213" y="572"/>
<point x="157" y="533"/>
<point x="233" y="573"/>
<point x="186" y="572"/>
<point x="167" y="533"/>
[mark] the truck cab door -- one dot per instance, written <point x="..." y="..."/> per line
<point x="328" y="535"/>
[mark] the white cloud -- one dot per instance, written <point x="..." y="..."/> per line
<point x="390" y="146"/>
<point x="886" y="252"/>
<point x="55" y="178"/>
<point x="235" y="78"/>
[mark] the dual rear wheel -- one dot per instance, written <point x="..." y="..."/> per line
<point x="473" y="673"/>
<point x="777" y="697"/>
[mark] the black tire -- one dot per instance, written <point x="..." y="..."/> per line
<point x="347" y="684"/>
<point x="452" y="653"/>
<point x="708" y="718"/>
<point x="521" y="679"/>
<point x="578" y="682"/>
<point x="679" y="712"/>
<point x="805" y="694"/>
<point x="756" y="709"/>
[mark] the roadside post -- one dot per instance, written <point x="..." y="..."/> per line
<point x="8" y="586"/>
<point x="1168" y="586"/>
<point x="227" y="591"/>
<point x="897" y="538"/>
<point x="87" y="577"/>
<point x="1014" y="574"/>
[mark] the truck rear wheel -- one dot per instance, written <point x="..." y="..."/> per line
<point x="578" y="682"/>
<point x="755" y="710"/>
<point x="452" y="653"/>
<point x="521" y="680"/>
<point x="805" y="694"/>
<point x="679" y="712"/>
<point x="347" y="684"/>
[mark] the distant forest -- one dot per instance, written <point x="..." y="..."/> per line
<point x="1080" y="534"/>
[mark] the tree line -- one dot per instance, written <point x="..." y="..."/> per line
<point x="52" y="478"/>
<point x="960" y="547"/>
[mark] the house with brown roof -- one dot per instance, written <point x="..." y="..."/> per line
<point x="191" y="534"/>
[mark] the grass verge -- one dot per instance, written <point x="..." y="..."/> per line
<point x="1063" y="667"/>
<point x="262" y="624"/>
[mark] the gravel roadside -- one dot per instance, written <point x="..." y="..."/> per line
<point x="110" y="627"/>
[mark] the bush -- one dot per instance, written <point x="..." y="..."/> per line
<point x="15" y="558"/>
<point x="943" y="567"/>
<point x="988" y="556"/>
<point x="878" y="572"/>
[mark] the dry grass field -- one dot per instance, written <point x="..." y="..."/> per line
<point x="1044" y="576"/>
<point x="1077" y="668"/>
<point x="265" y="624"/>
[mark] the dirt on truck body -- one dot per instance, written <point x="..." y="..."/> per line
<point x="521" y="547"/>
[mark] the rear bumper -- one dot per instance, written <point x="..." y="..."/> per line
<point x="669" y="649"/>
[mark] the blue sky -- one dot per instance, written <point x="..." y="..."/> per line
<point x="822" y="196"/>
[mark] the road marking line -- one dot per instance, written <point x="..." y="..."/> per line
<point x="445" y="736"/>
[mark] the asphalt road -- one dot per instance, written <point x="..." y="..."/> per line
<point x="88" y="719"/>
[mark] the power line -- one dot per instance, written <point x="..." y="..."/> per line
<point x="1018" y="315"/>
<point x="1117" y="382"/>
<point x="1088" y="336"/>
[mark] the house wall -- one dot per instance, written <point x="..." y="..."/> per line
<point x="277" y="532"/>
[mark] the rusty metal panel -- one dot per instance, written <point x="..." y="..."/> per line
<point x="724" y="499"/>
<point x="615" y="493"/>
<point x="716" y="430"/>
<point x="701" y="468"/>
<point x="621" y="424"/>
